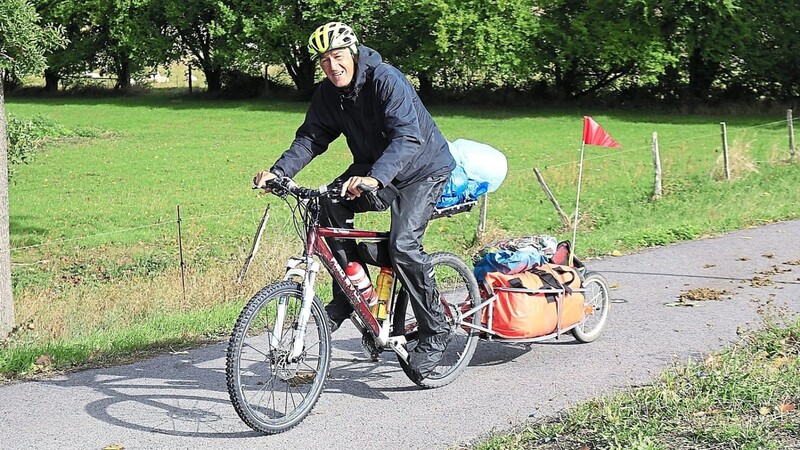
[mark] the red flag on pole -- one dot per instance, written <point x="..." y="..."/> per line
<point x="594" y="134"/>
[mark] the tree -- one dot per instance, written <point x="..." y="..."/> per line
<point x="119" y="37"/>
<point x="206" y="31"/>
<point x="766" y="56"/>
<point x="278" y="31"/>
<point x="133" y="41"/>
<point x="84" y="40"/>
<point x="461" y="45"/>
<point x="702" y="35"/>
<point x="23" y="44"/>
<point x="585" y="46"/>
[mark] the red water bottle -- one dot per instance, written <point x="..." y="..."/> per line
<point x="361" y="281"/>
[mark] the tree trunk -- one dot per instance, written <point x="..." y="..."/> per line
<point x="425" y="86"/>
<point x="213" y="79"/>
<point x="302" y="71"/>
<point x="702" y="73"/>
<point x="51" y="80"/>
<point x="123" y="74"/>
<point x="6" y="299"/>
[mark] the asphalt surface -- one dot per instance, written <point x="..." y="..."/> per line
<point x="180" y="400"/>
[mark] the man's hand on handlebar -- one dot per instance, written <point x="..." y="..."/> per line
<point x="262" y="179"/>
<point x="354" y="186"/>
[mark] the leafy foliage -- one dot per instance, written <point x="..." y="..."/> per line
<point x="278" y="31"/>
<point x="207" y="34"/>
<point x="26" y="136"/>
<point x="23" y="43"/>
<point x="675" y="50"/>
<point x="461" y="45"/>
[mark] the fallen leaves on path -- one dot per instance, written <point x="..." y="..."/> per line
<point x="758" y="281"/>
<point x="690" y="297"/>
<point x="701" y="294"/>
<point x="774" y="271"/>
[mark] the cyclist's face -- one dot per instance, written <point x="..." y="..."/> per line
<point x="338" y="66"/>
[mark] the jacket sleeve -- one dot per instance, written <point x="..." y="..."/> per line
<point x="401" y="126"/>
<point x="311" y="140"/>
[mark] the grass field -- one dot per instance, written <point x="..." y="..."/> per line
<point x="94" y="232"/>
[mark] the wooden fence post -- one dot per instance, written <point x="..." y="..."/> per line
<point x="657" y="162"/>
<point x="180" y="251"/>
<point x="482" y="221"/>
<point x="561" y="215"/>
<point x="254" y="249"/>
<point x="790" y="124"/>
<point x="725" y="150"/>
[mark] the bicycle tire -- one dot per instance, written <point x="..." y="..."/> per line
<point x="269" y="393"/>
<point x="597" y="296"/>
<point x="457" y="287"/>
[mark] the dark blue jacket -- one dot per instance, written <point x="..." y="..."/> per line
<point x="386" y="125"/>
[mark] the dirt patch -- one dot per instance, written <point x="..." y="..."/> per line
<point x="702" y="294"/>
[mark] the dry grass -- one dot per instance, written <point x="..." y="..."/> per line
<point x="739" y="160"/>
<point x="76" y="310"/>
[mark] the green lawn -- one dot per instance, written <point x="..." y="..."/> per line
<point x="93" y="221"/>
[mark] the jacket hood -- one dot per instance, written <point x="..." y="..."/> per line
<point x="368" y="60"/>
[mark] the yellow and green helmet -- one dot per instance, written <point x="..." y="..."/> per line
<point x="332" y="36"/>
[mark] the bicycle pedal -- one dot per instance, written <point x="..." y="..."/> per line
<point x="397" y="344"/>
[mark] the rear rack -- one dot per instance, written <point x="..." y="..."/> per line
<point x="453" y="210"/>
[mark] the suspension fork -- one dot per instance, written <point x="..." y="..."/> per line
<point x="309" y="276"/>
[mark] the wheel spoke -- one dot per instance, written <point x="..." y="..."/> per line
<point x="270" y="394"/>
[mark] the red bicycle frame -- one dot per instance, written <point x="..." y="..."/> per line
<point x="316" y="245"/>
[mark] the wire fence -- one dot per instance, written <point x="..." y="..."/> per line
<point x="160" y="223"/>
<point x="616" y="153"/>
<point x="667" y="143"/>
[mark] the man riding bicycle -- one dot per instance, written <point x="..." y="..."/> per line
<point x="397" y="149"/>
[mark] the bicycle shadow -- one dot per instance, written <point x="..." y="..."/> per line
<point x="353" y="373"/>
<point x="183" y="394"/>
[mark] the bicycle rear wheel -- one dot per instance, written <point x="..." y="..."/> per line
<point x="270" y="392"/>
<point x="458" y="292"/>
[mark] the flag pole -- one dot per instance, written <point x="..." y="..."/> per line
<point x="577" y="202"/>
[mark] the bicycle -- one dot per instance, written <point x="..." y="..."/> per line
<point x="279" y="353"/>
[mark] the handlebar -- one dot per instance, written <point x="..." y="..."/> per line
<point x="281" y="186"/>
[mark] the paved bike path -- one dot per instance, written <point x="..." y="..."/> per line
<point x="180" y="400"/>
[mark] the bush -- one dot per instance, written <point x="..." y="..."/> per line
<point x="26" y="136"/>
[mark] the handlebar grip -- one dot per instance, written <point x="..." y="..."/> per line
<point x="364" y="188"/>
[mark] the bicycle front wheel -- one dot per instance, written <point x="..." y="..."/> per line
<point x="458" y="292"/>
<point x="271" y="391"/>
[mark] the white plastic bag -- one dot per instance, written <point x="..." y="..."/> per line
<point x="481" y="162"/>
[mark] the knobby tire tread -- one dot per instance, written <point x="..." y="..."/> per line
<point x="236" y="341"/>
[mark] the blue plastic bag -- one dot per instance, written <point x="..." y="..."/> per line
<point x="455" y="188"/>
